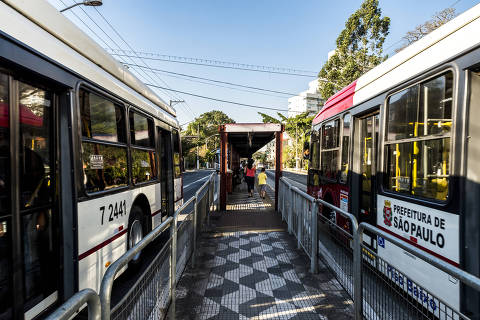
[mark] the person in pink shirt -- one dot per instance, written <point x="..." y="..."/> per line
<point x="250" y="176"/>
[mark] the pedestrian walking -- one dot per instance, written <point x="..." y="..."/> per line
<point x="250" y="176"/>
<point x="262" y="182"/>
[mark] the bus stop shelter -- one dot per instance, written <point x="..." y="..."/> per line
<point x="242" y="140"/>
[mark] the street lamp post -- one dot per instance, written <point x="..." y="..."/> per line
<point x="90" y="3"/>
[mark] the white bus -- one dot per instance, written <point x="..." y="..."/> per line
<point x="90" y="160"/>
<point x="399" y="148"/>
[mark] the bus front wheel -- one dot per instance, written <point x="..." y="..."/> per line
<point x="135" y="232"/>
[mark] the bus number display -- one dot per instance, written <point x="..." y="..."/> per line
<point x="114" y="210"/>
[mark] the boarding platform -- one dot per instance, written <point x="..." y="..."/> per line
<point x="249" y="267"/>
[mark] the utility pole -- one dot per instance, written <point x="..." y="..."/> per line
<point x="296" y="147"/>
<point x="198" y="141"/>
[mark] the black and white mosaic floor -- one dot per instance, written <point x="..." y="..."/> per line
<point x="257" y="275"/>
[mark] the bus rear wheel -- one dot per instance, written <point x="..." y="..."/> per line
<point x="135" y="232"/>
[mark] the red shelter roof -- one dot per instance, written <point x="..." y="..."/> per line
<point x="27" y="117"/>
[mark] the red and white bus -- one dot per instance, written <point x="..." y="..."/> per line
<point x="399" y="148"/>
<point x="90" y="160"/>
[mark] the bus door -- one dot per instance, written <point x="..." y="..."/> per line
<point x="29" y="219"/>
<point x="365" y="158"/>
<point x="166" y="171"/>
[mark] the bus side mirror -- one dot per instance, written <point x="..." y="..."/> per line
<point x="306" y="151"/>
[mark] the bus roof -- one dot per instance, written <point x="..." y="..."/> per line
<point x="340" y="101"/>
<point x="48" y="18"/>
<point x="437" y="47"/>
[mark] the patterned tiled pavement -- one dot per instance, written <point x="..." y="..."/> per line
<point x="248" y="267"/>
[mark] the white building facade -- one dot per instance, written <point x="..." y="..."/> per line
<point x="309" y="100"/>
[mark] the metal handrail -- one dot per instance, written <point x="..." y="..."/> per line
<point x="357" y="262"/>
<point x="72" y="305"/>
<point x="109" y="277"/>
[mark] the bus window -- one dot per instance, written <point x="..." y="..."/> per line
<point x="329" y="156"/>
<point x="143" y="148"/>
<point x="421" y="114"/>
<point x="104" y="149"/>
<point x="141" y="130"/>
<point x="345" y="147"/>
<point x="176" y="154"/>
<point x="315" y="150"/>
<point x="37" y="209"/>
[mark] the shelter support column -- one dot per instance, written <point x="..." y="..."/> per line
<point x="223" y="168"/>
<point x="278" y="163"/>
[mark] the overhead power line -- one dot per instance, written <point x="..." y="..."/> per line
<point x="216" y="62"/>
<point x="212" y="80"/>
<point x="219" y="100"/>
<point x="136" y="55"/>
<point x="222" y="66"/>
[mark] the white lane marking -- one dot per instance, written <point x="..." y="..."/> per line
<point x="188" y="185"/>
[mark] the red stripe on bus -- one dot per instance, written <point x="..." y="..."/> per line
<point x="101" y="245"/>
<point x="340" y="101"/>
<point x="421" y="247"/>
<point x="156" y="212"/>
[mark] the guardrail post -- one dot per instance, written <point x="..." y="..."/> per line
<point x="290" y="210"/>
<point x="209" y="201"/>
<point x="283" y="199"/>
<point x="173" y="264"/>
<point x="314" y="231"/>
<point x="195" y="216"/>
<point x="298" y="206"/>
<point x="211" y="185"/>
<point x="284" y="195"/>
<point x="357" y="271"/>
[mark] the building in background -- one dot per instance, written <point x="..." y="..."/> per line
<point x="309" y="100"/>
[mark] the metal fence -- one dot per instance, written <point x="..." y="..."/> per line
<point x="299" y="210"/>
<point x="153" y="293"/>
<point x="379" y="289"/>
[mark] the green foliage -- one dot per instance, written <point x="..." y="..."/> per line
<point x="269" y="119"/>
<point x="204" y="130"/>
<point x="298" y="128"/>
<point x="359" y="48"/>
<point x="288" y="157"/>
<point x="260" y="157"/>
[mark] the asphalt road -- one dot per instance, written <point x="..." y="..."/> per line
<point x="193" y="180"/>
<point x="297" y="179"/>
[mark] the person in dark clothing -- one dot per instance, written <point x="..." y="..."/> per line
<point x="250" y="176"/>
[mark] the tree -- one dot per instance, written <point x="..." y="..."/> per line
<point x="203" y="130"/>
<point x="438" y="19"/>
<point x="359" y="48"/>
<point x="297" y="127"/>
<point x="260" y="157"/>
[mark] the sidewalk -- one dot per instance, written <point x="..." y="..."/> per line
<point x="248" y="267"/>
<point x="293" y="170"/>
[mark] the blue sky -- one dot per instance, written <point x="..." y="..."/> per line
<point x="280" y="33"/>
